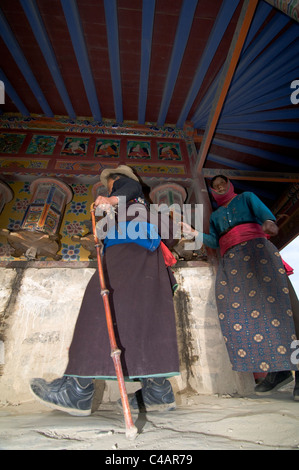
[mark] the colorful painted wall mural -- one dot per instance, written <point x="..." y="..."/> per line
<point x="90" y="155"/>
<point x="76" y="152"/>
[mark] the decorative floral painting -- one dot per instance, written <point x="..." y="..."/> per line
<point x="75" y="146"/>
<point x="11" y="143"/>
<point x="169" y="151"/>
<point x="23" y="163"/>
<point x="42" y="144"/>
<point x="70" y="252"/>
<point x="139" y="149"/>
<point x="152" y="169"/>
<point x="107" y="148"/>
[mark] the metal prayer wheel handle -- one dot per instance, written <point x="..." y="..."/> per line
<point x="131" y="430"/>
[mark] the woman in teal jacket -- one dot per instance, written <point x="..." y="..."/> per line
<point x="252" y="292"/>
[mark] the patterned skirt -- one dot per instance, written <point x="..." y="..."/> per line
<point x="254" y="308"/>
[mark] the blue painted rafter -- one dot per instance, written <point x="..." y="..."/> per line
<point x="11" y="92"/>
<point x="259" y="90"/>
<point x="201" y="114"/>
<point x="273" y="28"/>
<point x="230" y="163"/>
<point x="181" y="39"/>
<point x="262" y="12"/>
<point x="246" y="68"/>
<point x="274" y="115"/>
<point x="74" y="24"/>
<point x="279" y="100"/>
<point x="113" y="46"/>
<point x="21" y="61"/>
<point x="277" y="56"/>
<point x="223" y="19"/>
<point x="270" y="126"/>
<point x="148" y="13"/>
<point x="262" y="91"/>
<point x="40" y="33"/>
<point x="260" y="137"/>
<point x="275" y="98"/>
<point x="257" y="152"/>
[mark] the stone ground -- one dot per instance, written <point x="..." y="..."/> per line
<point x="200" y="423"/>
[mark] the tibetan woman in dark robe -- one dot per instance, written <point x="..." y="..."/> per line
<point x="141" y="301"/>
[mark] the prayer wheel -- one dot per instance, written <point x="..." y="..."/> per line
<point x="46" y="208"/>
<point x="169" y="194"/>
<point x="99" y="189"/>
<point x="174" y="196"/>
<point x="38" y="235"/>
<point x="6" y="195"/>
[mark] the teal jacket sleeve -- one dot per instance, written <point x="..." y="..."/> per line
<point x="259" y="209"/>
<point x="212" y="239"/>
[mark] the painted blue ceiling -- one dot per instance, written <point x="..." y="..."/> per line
<point x="158" y="61"/>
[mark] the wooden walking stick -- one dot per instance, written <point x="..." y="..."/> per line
<point x="131" y="430"/>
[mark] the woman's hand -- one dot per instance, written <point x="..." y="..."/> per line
<point x="104" y="201"/>
<point x="188" y="230"/>
<point x="270" y="228"/>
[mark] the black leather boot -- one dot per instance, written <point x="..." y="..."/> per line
<point x="156" y="395"/>
<point x="273" y="381"/>
<point x="70" y="394"/>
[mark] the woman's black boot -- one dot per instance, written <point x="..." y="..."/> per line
<point x="273" y="381"/>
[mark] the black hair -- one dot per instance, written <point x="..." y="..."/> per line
<point x="218" y="176"/>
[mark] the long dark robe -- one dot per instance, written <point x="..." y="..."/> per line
<point x="141" y="301"/>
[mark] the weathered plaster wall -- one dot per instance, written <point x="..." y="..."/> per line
<point x="39" y="320"/>
<point x="205" y="365"/>
<point x="38" y="311"/>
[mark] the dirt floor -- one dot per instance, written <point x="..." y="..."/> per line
<point x="200" y="423"/>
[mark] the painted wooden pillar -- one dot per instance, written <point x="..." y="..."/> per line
<point x="6" y="195"/>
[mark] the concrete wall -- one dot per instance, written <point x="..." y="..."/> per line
<point x="38" y="311"/>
